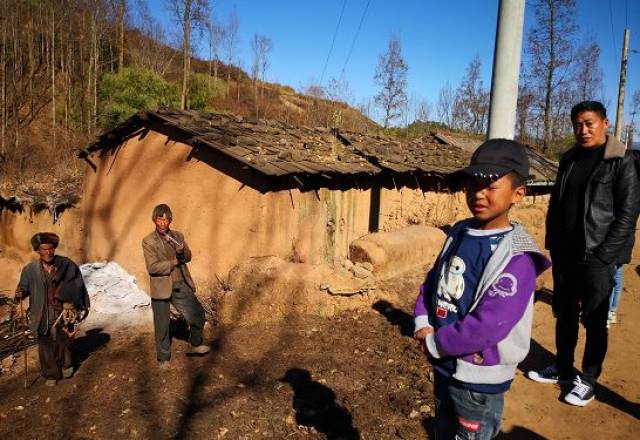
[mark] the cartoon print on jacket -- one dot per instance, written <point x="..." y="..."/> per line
<point x="451" y="285"/>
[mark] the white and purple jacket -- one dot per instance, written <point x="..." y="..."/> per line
<point x="483" y="348"/>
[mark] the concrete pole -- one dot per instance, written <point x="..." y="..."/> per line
<point x="622" y="85"/>
<point x="506" y="69"/>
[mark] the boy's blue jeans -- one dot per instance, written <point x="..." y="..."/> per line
<point x="466" y="415"/>
<point x="614" y="299"/>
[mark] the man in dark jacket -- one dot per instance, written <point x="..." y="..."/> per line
<point x="591" y="224"/>
<point x="58" y="300"/>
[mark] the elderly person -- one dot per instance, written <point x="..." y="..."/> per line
<point x="166" y="255"/>
<point x="58" y="300"/>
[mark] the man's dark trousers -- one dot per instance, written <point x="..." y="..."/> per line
<point x="576" y="285"/>
<point x="185" y="301"/>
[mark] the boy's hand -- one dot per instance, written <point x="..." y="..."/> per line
<point x="422" y="333"/>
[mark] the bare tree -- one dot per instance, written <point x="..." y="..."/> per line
<point x="588" y="77"/>
<point x="635" y="104"/>
<point x="444" y="106"/>
<point x="338" y="90"/>
<point x="391" y="76"/>
<point x="188" y="13"/>
<point x="151" y="52"/>
<point x="423" y="110"/>
<point x="635" y="109"/>
<point x="551" y="55"/>
<point x="215" y="33"/>
<point x="261" y="46"/>
<point x="122" y="7"/>
<point x="471" y="102"/>
<point x="231" y="42"/>
<point x="313" y="89"/>
<point x="524" y="109"/>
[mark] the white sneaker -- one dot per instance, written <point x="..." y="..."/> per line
<point x="201" y="349"/>
<point x="581" y="394"/>
<point x="547" y="375"/>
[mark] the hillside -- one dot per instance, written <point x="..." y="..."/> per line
<point x="52" y="109"/>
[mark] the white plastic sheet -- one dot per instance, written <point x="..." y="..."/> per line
<point x="112" y="290"/>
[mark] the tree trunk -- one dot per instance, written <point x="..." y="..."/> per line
<point x="53" y="80"/>
<point x="16" y="119"/>
<point x="121" y="10"/>
<point x="96" y="76"/>
<point x="186" y="55"/>
<point x="3" y="92"/>
<point x="31" y="64"/>
<point x="549" y="84"/>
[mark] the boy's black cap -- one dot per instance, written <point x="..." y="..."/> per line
<point x="497" y="157"/>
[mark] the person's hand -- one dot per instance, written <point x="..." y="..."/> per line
<point x="422" y="333"/>
<point x="176" y="262"/>
<point x="179" y="248"/>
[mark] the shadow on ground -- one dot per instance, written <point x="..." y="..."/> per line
<point x="544" y="295"/>
<point x="83" y="346"/>
<point x="519" y="433"/>
<point x="396" y="317"/>
<point x="315" y="405"/>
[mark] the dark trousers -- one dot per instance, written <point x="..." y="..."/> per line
<point x="575" y="286"/>
<point x="185" y="301"/>
<point x="464" y="414"/>
<point x="54" y="354"/>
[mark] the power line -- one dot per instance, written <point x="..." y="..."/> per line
<point x="626" y="13"/>
<point x="335" y="33"/>
<point x="613" y="37"/>
<point x="355" y="37"/>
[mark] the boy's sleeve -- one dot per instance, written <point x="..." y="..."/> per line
<point x="499" y="310"/>
<point x="420" y="311"/>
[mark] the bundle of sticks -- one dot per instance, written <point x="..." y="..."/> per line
<point x="14" y="331"/>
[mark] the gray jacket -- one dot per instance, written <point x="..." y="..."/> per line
<point x="72" y="289"/>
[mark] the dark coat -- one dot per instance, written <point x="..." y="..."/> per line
<point x="72" y="289"/>
<point x="611" y="205"/>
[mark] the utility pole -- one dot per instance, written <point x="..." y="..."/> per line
<point x="506" y="69"/>
<point x="623" y="83"/>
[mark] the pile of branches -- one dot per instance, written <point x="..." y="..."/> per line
<point x="14" y="332"/>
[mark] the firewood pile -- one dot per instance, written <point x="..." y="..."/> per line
<point x="14" y="332"/>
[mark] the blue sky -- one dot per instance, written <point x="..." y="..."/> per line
<point x="439" y="39"/>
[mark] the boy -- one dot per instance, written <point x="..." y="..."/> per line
<point x="474" y="312"/>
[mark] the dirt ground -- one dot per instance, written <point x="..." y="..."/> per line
<point x="354" y="375"/>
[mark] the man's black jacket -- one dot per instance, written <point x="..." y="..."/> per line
<point x="612" y="203"/>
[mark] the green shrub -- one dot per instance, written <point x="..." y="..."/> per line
<point x="138" y="89"/>
<point x="203" y="89"/>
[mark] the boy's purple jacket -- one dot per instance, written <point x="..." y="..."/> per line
<point x="494" y="336"/>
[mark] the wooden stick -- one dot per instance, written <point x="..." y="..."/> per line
<point x="24" y="333"/>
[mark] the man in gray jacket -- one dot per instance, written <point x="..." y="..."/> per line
<point x="166" y="256"/>
<point x="58" y="301"/>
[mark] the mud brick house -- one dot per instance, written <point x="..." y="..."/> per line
<point x="243" y="188"/>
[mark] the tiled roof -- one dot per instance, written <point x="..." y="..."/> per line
<point x="278" y="149"/>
